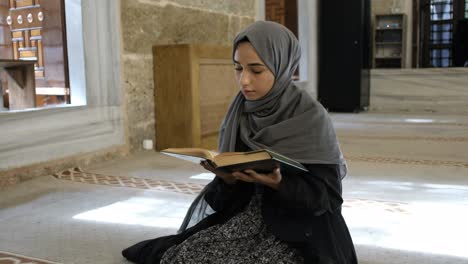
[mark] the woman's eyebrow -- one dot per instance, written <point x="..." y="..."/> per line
<point x="255" y="64"/>
<point x="251" y="64"/>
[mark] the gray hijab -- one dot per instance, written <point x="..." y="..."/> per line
<point x="286" y="120"/>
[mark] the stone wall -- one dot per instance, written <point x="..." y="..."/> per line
<point x="17" y="175"/>
<point x="157" y="22"/>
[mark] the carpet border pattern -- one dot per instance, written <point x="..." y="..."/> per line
<point x="13" y="258"/>
<point x="78" y="175"/>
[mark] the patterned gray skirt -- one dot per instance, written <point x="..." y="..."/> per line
<point x="243" y="239"/>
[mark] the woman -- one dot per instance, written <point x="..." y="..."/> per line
<point x="248" y="217"/>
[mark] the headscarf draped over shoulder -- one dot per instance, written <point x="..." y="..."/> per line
<point x="287" y="120"/>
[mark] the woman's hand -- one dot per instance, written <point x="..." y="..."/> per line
<point x="271" y="180"/>
<point x="227" y="177"/>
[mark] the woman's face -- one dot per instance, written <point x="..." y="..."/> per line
<point x="254" y="78"/>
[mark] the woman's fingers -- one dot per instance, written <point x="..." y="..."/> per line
<point x="227" y="177"/>
<point x="205" y="164"/>
<point x="277" y="173"/>
<point x="270" y="179"/>
<point x="242" y="176"/>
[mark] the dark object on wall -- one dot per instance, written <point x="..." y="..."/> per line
<point x="460" y="44"/>
<point x="344" y="55"/>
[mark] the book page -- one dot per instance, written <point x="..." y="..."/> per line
<point x="194" y="152"/>
<point x="192" y="159"/>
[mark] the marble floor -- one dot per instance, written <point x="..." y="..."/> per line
<point x="406" y="197"/>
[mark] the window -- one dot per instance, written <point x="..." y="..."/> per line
<point x="440" y="18"/>
<point x="34" y="31"/>
<point x="441" y="33"/>
<point x="466" y="8"/>
<point x="441" y="10"/>
<point x="94" y="121"/>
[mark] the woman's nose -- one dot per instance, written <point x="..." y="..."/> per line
<point x="244" y="78"/>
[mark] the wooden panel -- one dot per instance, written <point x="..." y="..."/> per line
<point x="188" y="80"/>
<point x="23" y="13"/>
<point x="21" y="83"/>
<point x="6" y="48"/>
<point x="39" y="74"/>
<point x="5" y="33"/>
<point x="46" y="100"/>
<point x="23" y="3"/>
<point x="35" y="33"/>
<point x="275" y="10"/>
<point x="18" y="34"/>
<point x="27" y="54"/>
<point x="52" y="54"/>
<point x="15" y="50"/>
<point x="215" y="79"/>
<point x="26" y="39"/>
<point x="217" y="89"/>
<point x="40" y="60"/>
<point x="210" y="141"/>
<point x="173" y="97"/>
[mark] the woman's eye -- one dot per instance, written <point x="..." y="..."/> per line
<point x="237" y="68"/>
<point x="257" y="72"/>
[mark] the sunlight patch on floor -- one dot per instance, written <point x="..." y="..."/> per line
<point x="427" y="227"/>
<point x="419" y="120"/>
<point x="164" y="213"/>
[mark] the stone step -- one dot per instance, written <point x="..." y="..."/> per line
<point x="428" y="90"/>
<point x="409" y="148"/>
<point x="438" y="138"/>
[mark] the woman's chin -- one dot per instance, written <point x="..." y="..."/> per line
<point x="250" y="96"/>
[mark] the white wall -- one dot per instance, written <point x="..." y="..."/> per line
<point x="308" y="30"/>
<point x="260" y="10"/>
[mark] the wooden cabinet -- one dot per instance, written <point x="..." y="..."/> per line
<point x="389" y="41"/>
<point x="18" y="78"/>
<point x="194" y="85"/>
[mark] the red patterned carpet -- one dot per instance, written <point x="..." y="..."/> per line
<point x="77" y="175"/>
<point x="11" y="258"/>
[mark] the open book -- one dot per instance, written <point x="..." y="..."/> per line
<point x="262" y="161"/>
